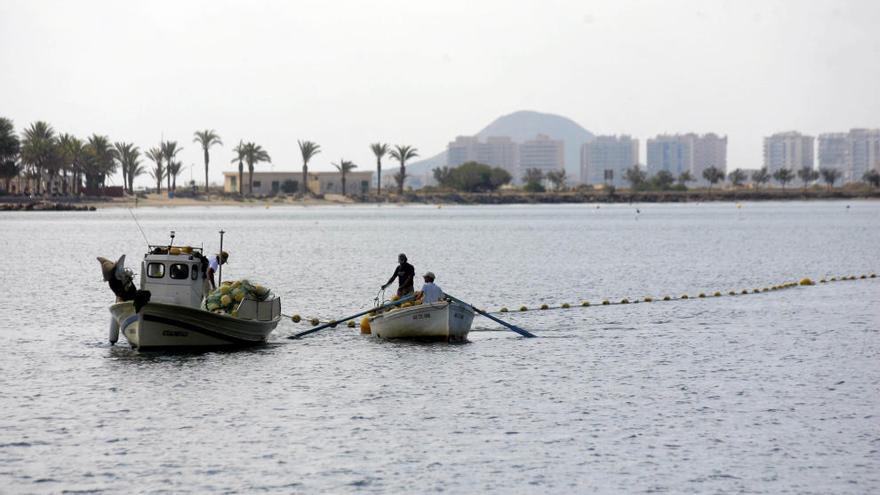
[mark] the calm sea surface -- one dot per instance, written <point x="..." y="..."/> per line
<point x="776" y="392"/>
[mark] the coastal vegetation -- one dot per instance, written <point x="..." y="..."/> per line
<point x="402" y="153"/>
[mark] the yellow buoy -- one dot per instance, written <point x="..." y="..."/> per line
<point x="585" y="303"/>
<point x="504" y="310"/>
<point x="544" y="306"/>
<point x="806" y="281"/>
<point x="649" y="299"/>
<point x="606" y="302"/>
<point x="365" y="324"/>
<point x="624" y="301"/>
<point x="174" y="251"/>
<point x="566" y="305"/>
<point x="684" y="296"/>
<point x="523" y="308"/>
<point x="314" y="321"/>
<point x="296" y="318"/>
<point x="701" y="295"/>
<point x="731" y="293"/>
<point x="667" y="298"/>
<point x="717" y="294"/>
<point x="350" y="324"/>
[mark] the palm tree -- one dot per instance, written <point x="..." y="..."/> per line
<point x="169" y="150"/>
<point x="38" y="150"/>
<point x="761" y="176"/>
<point x="737" y="177"/>
<point x="872" y="177"/>
<point x="308" y="149"/>
<point x="635" y="176"/>
<point x="684" y="178"/>
<point x="241" y="153"/>
<point x="344" y="167"/>
<point x="784" y="176"/>
<point x="254" y="154"/>
<point x="71" y="150"/>
<point x="129" y="157"/>
<point x="379" y="149"/>
<point x="158" y="171"/>
<point x="830" y="176"/>
<point x="207" y="138"/>
<point x="9" y="148"/>
<point x="99" y="161"/>
<point x="171" y="172"/>
<point x="402" y="153"/>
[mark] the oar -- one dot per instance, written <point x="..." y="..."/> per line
<point x="334" y="323"/>
<point x="513" y="328"/>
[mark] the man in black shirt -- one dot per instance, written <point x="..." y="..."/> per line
<point x="404" y="273"/>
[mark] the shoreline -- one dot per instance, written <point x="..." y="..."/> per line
<point x="443" y="198"/>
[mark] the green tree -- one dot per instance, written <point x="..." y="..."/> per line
<point x="9" y="149"/>
<point x="532" y="179"/>
<point x="830" y="176"/>
<point x="158" y="170"/>
<point x="635" y="176"/>
<point x="344" y="167"/>
<point x="472" y="177"/>
<point x="206" y="139"/>
<point x="38" y="150"/>
<point x="807" y="175"/>
<point x="872" y="177"/>
<point x="129" y="157"/>
<point x="443" y="176"/>
<point x="402" y="153"/>
<point x="663" y="180"/>
<point x="499" y="177"/>
<point x="737" y="177"/>
<point x="783" y="176"/>
<point x="172" y="170"/>
<point x="558" y="179"/>
<point x="100" y="161"/>
<point x="240" y="155"/>
<point x="170" y="149"/>
<point x="760" y="176"/>
<point x="308" y="150"/>
<point x="71" y="150"/>
<point x="380" y="150"/>
<point x="685" y="177"/>
<point x="254" y="155"/>
<point x="713" y="175"/>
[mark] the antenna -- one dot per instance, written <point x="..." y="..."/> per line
<point x="220" y="261"/>
<point x="172" y="240"/>
<point x="139" y="228"/>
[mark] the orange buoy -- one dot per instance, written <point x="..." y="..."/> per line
<point x="365" y="325"/>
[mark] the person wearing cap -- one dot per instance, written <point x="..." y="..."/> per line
<point x="404" y="273"/>
<point x="430" y="292"/>
<point x="214" y="266"/>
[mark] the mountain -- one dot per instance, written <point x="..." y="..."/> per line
<point x="522" y="126"/>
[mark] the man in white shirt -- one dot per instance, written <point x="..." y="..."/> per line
<point x="214" y="266"/>
<point x="431" y="292"/>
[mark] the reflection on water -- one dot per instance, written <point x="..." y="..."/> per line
<point x="767" y="392"/>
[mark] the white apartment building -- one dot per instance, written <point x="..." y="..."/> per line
<point x="864" y="150"/>
<point x="791" y="150"/>
<point x="542" y="153"/>
<point x="690" y="152"/>
<point x="497" y="151"/>
<point x="604" y="160"/>
<point x="834" y="153"/>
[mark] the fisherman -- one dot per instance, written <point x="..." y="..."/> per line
<point x="404" y="273"/>
<point x="430" y="292"/>
<point x="214" y="266"/>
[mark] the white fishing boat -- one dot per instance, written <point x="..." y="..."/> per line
<point x="448" y="321"/>
<point x="169" y="311"/>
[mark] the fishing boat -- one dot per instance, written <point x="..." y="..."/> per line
<point x="169" y="311"/>
<point x="448" y="321"/>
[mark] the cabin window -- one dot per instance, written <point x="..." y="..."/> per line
<point x="179" y="271"/>
<point x="155" y="270"/>
<point x="195" y="272"/>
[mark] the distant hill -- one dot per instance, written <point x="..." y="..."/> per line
<point x="522" y="126"/>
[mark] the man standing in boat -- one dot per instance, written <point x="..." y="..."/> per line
<point x="214" y="266"/>
<point x="404" y="273"/>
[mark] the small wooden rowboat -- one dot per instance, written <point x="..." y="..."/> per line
<point x="440" y="321"/>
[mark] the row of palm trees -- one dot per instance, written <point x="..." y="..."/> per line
<point x="44" y="158"/>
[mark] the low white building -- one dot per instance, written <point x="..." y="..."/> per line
<point x="277" y="182"/>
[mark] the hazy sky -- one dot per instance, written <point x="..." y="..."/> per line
<point x="348" y="73"/>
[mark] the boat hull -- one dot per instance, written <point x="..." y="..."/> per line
<point x="440" y="321"/>
<point x="169" y="326"/>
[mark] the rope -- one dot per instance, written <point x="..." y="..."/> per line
<point x="806" y="282"/>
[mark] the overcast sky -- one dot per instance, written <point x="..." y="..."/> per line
<point x="348" y="73"/>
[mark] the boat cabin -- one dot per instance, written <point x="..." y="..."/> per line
<point x="175" y="275"/>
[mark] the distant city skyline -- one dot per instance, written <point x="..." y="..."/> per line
<point x="349" y="74"/>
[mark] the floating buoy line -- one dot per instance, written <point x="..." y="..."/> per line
<point x="805" y="282"/>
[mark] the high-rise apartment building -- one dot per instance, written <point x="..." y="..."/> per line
<point x="834" y="153"/>
<point x="791" y="150"/>
<point x="542" y="153"/>
<point x="497" y="151"/>
<point x="864" y="151"/>
<point x="687" y="152"/>
<point x="604" y="160"/>
<point x="710" y="150"/>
